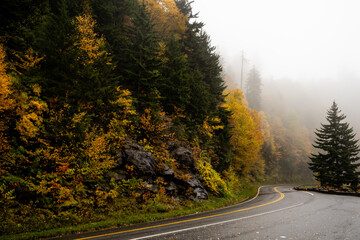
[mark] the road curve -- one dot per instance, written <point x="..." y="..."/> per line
<point x="275" y="213"/>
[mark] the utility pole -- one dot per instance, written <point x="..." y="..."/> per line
<point x="242" y="68"/>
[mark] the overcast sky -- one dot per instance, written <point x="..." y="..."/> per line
<point x="306" y="40"/>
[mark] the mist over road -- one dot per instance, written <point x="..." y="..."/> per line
<point x="276" y="213"/>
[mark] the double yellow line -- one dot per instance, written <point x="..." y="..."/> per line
<point x="190" y="220"/>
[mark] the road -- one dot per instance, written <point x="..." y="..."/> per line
<point x="275" y="213"/>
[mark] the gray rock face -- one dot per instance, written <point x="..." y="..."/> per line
<point x="167" y="172"/>
<point x="199" y="194"/>
<point x="144" y="163"/>
<point x="194" y="182"/>
<point x="171" y="187"/>
<point x="142" y="160"/>
<point x="183" y="156"/>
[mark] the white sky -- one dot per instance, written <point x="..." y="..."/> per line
<point x="307" y="40"/>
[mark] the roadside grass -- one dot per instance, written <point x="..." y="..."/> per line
<point x="306" y="187"/>
<point x="123" y="218"/>
<point x="344" y="188"/>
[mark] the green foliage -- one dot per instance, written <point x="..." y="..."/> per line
<point x="141" y="72"/>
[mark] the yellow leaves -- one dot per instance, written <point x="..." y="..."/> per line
<point x="36" y="89"/>
<point x="211" y="178"/>
<point x="26" y="109"/>
<point x="154" y="126"/>
<point x="124" y="100"/>
<point x="167" y="17"/>
<point x="87" y="40"/>
<point x="28" y="125"/>
<point x="27" y="62"/>
<point x="103" y="197"/>
<point x="6" y="102"/>
<point x="210" y="125"/>
<point x="77" y="118"/>
<point x="247" y="136"/>
<point x="96" y="149"/>
<point x="30" y="111"/>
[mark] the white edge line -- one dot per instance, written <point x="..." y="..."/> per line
<point x="241" y="203"/>
<point x="309" y="193"/>
<point x="213" y="224"/>
<point x="209" y="211"/>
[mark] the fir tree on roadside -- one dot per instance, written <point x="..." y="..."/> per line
<point x="336" y="162"/>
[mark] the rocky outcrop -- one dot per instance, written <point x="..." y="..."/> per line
<point x="144" y="163"/>
<point x="183" y="156"/>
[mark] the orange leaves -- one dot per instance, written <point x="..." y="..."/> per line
<point x="6" y="100"/>
<point x="154" y="126"/>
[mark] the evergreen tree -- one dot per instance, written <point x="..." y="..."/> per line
<point x="336" y="163"/>
<point x="142" y="70"/>
<point x="207" y="84"/>
<point x="176" y="85"/>
<point x="253" y="89"/>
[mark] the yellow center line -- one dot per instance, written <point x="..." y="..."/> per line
<point x="189" y="220"/>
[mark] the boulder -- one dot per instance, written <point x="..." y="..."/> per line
<point x="167" y="172"/>
<point x="144" y="161"/>
<point x="119" y="158"/>
<point x="183" y="156"/>
<point x="199" y="194"/>
<point x="194" y="182"/>
<point x="171" y="187"/>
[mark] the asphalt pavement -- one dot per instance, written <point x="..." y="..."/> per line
<point x="275" y="213"/>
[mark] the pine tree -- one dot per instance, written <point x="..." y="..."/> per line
<point x="142" y="70"/>
<point x="253" y="89"/>
<point x="336" y="163"/>
<point x="176" y="85"/>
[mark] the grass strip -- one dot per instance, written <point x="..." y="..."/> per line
<point x="190" y="207"/>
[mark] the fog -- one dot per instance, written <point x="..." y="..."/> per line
<point x="308" y="52"/>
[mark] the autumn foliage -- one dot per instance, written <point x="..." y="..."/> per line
<point x="81" y="80"/>
<point x="246" y="135"/>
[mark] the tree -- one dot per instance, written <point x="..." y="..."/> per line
<point x="253" y="89"/>
<point x="141" y="72"/>
<point x="6" y="101"/>
<point x="246" y="135"/>
<point x="176" y="85"/>
<point x="336" y="162"/>
<point x="166" y="16"/>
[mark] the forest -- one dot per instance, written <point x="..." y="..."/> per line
<point x="85" y="82"/>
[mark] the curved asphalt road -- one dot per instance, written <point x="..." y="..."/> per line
<point x="276" y="213"/>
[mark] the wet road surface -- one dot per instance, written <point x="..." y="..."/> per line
<point x="276" y="213"/>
